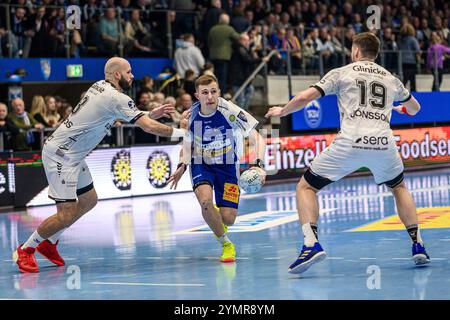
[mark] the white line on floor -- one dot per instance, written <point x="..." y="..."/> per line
<point x="367" y="258"/>
<point x="401" y="258"/>
<point x="99" y="258"/>
<point x="274" y="258"/>
<point x="150" y="284"/>
<point x="155" y="258"/>
<point x="335" y="258"/>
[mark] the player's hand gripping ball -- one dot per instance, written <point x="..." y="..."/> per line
<point x="251" y="181"/>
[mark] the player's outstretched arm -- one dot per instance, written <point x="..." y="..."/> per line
<point x="297" y="103"/>
<point x="185" y="155"/>
<point x="410" y="107"/>
<point x="159" y="129"/>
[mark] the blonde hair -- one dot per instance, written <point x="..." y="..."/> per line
<point x="408" y="30"/>
<point x="49" y="115"/>
<point x="38" y="105"/>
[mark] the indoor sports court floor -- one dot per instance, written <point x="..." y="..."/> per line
<point x="158" y="248"/>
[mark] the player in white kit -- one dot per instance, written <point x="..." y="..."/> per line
<point x="70" y="182"/>
<point x="365" y="92"/>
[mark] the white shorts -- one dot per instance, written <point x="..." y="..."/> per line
<point x="66" y="182"/>
<point x="341" y="159"/>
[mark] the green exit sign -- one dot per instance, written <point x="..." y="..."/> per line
<point x="74" y="70"/>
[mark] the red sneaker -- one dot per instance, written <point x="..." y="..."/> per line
<point x="25" y="260"/>
<point x="48" y="250"/>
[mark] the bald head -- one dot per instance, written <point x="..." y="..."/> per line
<point x="118" y="72"/>
<point x="224" y="19"/>
<point x="18" y="106"/>
<point x="116" y="64"/>
<point x="3" y="111"/>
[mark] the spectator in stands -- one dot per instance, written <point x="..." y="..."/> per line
<point x="292" y="43"/>
<point x="239" y="22"/>
<point x="208" y="69"/>
<point x="125" y="10"/>
<point x="249" y="16"/>
<point x="390" y="45"/>
<point x="410" y="54"/>
<point x="56" y="32"/>
<point x="357" y="24"/>
<point x="294" y="16"/>
<point x="144" y="100"/>
<point x="424" y="27"/>
<point x="259" y="11"/>
<point x="243" y="63"/>
<point x="25" y="122"/>
<point x="21" y="40"/>
<point x="184" y="102"/>
<point x="147" y="84"/>
<point x="435" y="59"/>
<point x="188" y="56"/>
<point x="7" y="127"/>
<point x="38" y="107"/>
<point x="337" y="44"/>
<point x="159" y="98"/>
<point x="137" y="34"/>
<point x="50" y="116"/>
<point x="327" y="50"/>
<point x="185" y="16"/>
<point x="38" y="28"/>
<point x="109" y="33"/>
<point x="189" y="82"/>
<point x="211" y="17"/>
<point x="220" y="41"/>
<point x="284" y="20"/>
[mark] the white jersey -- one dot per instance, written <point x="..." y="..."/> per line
<point x="89" y="122"/>
<point x="365" y="92"/>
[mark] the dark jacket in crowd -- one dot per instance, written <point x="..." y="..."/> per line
<point x="242" y="65"/>
<point x="9" y="131"/>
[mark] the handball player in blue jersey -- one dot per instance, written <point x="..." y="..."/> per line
<point x="218" y="129"/>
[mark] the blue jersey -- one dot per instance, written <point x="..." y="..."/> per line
<point x="218" y="138"/>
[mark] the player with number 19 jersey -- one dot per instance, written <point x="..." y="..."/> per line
<point x="366" y="93"/>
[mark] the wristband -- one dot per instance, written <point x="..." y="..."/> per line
<point x="178" y="133"/>
<point x="405" y="111"/>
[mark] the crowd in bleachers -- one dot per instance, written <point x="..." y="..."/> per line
<point x="223" y="37"/>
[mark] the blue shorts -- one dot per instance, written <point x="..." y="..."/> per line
<point x="223" y="180"/>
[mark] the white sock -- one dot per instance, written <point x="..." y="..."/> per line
<point x="33" y="241"/>
<point x="223" y="239"/>
<point x="419" y="237"/>
<point x="56" y="236"/>
<point x="308" y="233"/>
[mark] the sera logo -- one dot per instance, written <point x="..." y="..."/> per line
<point x="313" y="114"/>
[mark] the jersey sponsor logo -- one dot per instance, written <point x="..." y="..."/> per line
<point x="132" y="105"/>
<point x="59" y="168"/>
<point x="231" y="192"/>
<point x="371" y="115"/>
<point x="242" y="116"/>
<point x="95" y="86"/>
<point x="121" y="170"/>
<point x="373" y="140"/>
<point x="371" y="70"/>
<point x="158" y="169"/>
<point x="313" y="114"/>
<point x="232" y="117"/>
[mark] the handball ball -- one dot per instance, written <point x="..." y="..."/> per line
<point x="250" y="181"/>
